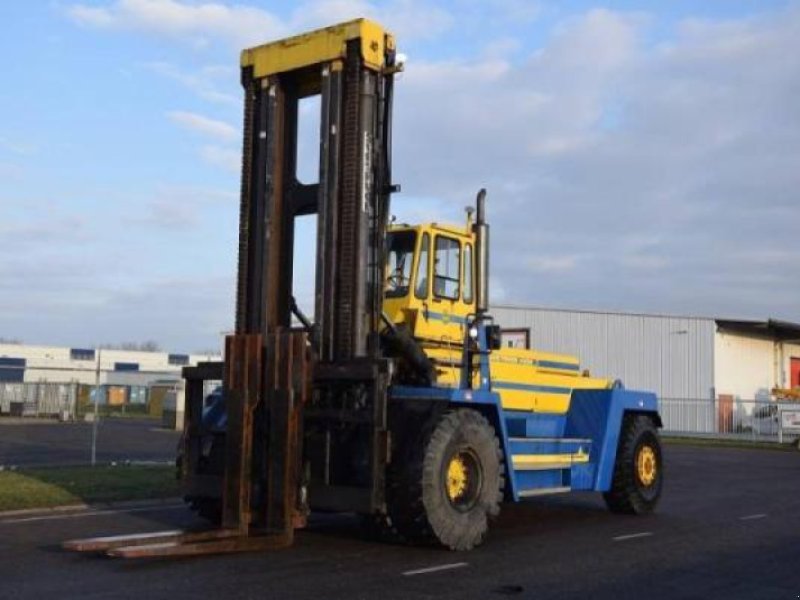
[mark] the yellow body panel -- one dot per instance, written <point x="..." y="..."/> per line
<point x="538" y="381"/>
<point x="541" y="461"/>
<point x="527" y="380"/>
<point x="319" y="46"/>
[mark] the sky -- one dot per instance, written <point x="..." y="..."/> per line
<point x="638" y="156"/>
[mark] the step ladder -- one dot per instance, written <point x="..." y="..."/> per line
<point x="543" y="464"/>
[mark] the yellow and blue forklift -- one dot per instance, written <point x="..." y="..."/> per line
<point x="396" y="399"/>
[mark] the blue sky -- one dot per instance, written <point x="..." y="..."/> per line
<point x="638" y="156"/>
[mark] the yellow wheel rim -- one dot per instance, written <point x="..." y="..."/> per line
<point x="457" y="478"/>
<point x="646" y="468"/>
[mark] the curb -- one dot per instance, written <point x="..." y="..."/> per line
<point x="65" y="508"/>
<point x="703" y="442"/>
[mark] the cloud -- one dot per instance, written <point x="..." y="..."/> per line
<point x="553" y="263"/>
<point x="630" y="164"/>
<point x="179" y="208"/>
<point x="182" y="313"/>
<point x="167" y="215"/>
<point x="203" y="81"/>
<point x="224" y="158"/>
<point x="691" y="142"/>
<point x="17" y="147"/>
<point x="201" y="23"/>
<point x="196" y="22"/>
<point x="50" y="228"/>
<point x="219" y="155"/>
<point x="11" y="170"/>
<point x="204" y="125"/>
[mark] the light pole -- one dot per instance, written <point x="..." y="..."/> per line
<point x="96" y="401"/>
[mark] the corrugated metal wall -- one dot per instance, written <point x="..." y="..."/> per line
<point x="671" y="356"/>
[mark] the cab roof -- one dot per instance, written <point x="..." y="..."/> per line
<point x="438" y="227"/>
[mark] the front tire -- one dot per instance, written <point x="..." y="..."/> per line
<point x="452" y="485"/>
<point x="638" y="470"/>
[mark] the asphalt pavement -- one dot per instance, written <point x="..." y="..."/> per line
<point x="49" y="443"/>
<point x="728" y="527"/>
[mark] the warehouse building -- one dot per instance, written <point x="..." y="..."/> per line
<point x="710" y="373"/>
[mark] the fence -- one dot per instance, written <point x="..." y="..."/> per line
<point x="758" y="420"/>
<point x="39" y="399"/>
<point x="72" y="401"/>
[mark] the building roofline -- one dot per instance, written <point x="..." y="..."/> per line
<point x="621" y="313"/>
<point x="775" y="328"/>
<point x="772" y="328"/>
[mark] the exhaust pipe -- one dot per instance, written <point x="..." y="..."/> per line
<point x="481" y="230"/>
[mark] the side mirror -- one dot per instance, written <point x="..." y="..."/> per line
<point x="494" y="337"/>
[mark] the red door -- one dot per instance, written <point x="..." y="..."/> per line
<point x="794" y="370"/>
<point x="725" y="414"/>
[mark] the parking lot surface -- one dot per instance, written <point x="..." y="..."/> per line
<point x="44" y="443"/>
<point x="728" y="527"/>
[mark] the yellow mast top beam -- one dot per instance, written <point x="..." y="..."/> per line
<point x="319" y="46"/>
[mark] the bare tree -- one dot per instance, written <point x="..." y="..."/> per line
<point x="146" y="346"/>
<point x="207" y="352"/>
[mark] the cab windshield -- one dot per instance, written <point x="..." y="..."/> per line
<point x="400" y="260"/>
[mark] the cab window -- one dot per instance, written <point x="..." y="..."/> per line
<point x="398" y="266"/>
<point x="447" y="268"/>
<point x="421" y="279"/>
<point x="468" y="273"/>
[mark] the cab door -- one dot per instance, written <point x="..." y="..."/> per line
<point x="446" y="314"/>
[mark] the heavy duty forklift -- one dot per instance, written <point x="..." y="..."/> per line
<point x="394" y="401"/>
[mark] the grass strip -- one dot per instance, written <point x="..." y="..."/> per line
<point x="49" y="487"/>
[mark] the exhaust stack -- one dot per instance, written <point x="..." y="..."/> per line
<point x="481" y="229"/>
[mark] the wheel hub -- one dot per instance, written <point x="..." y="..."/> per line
<point x="457" y="478"/>
<point x="646" y="468"/>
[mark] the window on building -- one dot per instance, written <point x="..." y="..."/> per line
<point x="8" y="361"/>
<point x="468" y="273"/>
<point x="12" y="370"/>
<point x="516" y="338"/>
<point x="179" y="360"/>
<point x="11" y="375"/>
<point x="126" y="366"/>
<point x="446" y="268"/>
<point x="81" y="354"/>
<point x="421" y="278"/>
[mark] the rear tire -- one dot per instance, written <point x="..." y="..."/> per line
<point x="450" y="483"/>
<point x="638" y="469"/>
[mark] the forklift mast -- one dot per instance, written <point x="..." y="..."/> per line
<point x="302" y="402"/>
<point x="350" y="67"/>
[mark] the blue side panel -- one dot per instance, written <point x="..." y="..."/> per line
<point x="523" y="423"/>
<point x="582" y="477"/>
<point x="597" y="414"/>
<point x="531" y="480"/>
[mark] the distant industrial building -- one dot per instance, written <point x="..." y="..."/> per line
<point x="48" y="380"/>
<point x="675" y="357"/>
<point x="55" y="364"/>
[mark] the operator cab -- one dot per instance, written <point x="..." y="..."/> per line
<point x="429" y="274"/>
<point x="430" y="288"/>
